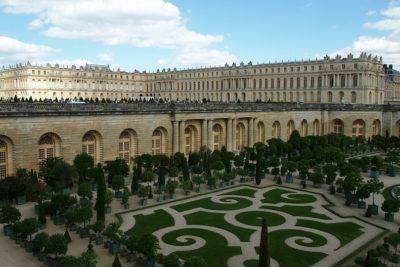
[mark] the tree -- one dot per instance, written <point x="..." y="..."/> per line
<point x="9" y="215"/>
<point x="116" y="262"/>
<point x="85" y="190"/>
<point x="147" y="177"/>
<point x="362" y="192"/>
<point x="317" y="176"/>
<point x="137" y="174"/>
<point x="83" y="163"/>
<point x="97" y="227"/>
<point x="264" y="255"/>
<point x="116" y="167"/>
<point x="172" y="260"/>
<point x="131" y="243"/>
<point x="117" y="183"/>
<point x="62" y="202"/>
<point x="84" y="215"/>
<point x="56" y="173"/>
<point x="101" y="194"/>
<point x="57" y="244"/>
<point x="351" y="181"/>
<point x="260" y="149"/>
<point x="29" y="226"/>
<point x="195" y="261"/>
<point x="390" y="206"/>
<point x="148" y="244"/>
<point x="375" y="186"/>
<point x="39" y="241"/>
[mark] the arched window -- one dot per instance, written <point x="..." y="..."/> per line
<point x="3" y="159"/>
<point x="330" y="97"/>
<point x="376" y="127"/>
<point x="304" y="128"/>
<point x="240" y="136"/>
<point x="217" y="137"/>
<point x="89" y="145"/>
<point x="276" y="130"/>
<point x="260" y="132"/>
<point x="341" y="96"/>
<point x="316" y="127"/>
<point x="338" y="127"/>
<point x="156" y="142"/>
<point x="358" y="128"/>
<point x="191" y="142"/>
<point x="125" y="146"/>
<point x="290" y="128"/>
<point x="46" y="148"/>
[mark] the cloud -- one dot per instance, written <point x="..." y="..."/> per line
<point x="140" y="23"/>
<point x="388" y="45"/>
<point x="370" y="12"/>
<point x="12" y="50"/>
<point x="62" y="62"/>
<point x="105" y="57"/>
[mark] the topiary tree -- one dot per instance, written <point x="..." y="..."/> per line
<point x="84" y="215"/>
<point x="148" y="244"/>
<point x="317" y="176"/>
<point x="57" y="244"/>
<point x="101" y="194"/>
<point x="109" y="197"/>
<point x="39" y="241"/>
<point x="57" y="173"/>
<point x="62" y="202"/>
<point x="173" y="172"/>
<point x="172" y="260"/>
<point x="116" y="262"/>
<point x="131" y="243"/>
<point x="85" y="190"/>
<point x="363" y="193"/>
<point x="28" y="227"/>
<point x="9" y="215"/>
<point x="390" y="206"/>
<point x="83" y="163"/>
<point x="116" y="167"/>
<point x="375" y="186"/>
<point x="117" y="183"/>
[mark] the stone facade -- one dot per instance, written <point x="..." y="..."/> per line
<point x="32" y="132"/>
<point x="329" y="80"/>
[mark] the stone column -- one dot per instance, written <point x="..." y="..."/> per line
<point x="175" y="140"/>
<point x="229" y="135"/>
<point x="234" y="134"/>
<point x="204" y="133"/>
<point x="210" y="140"/>
<point x="182" y="141"/>
<point x="251" y="132"/>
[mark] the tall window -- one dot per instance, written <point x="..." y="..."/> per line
<point x="304" y="128"/>
<point x="125" y="146"/>
<point x="3" y="159"/>
<point x="376" y="127"/>
<point x="276" y="130"/>
<point x="156" y="142"/>
<point x="316" y="127"/>
<point x="353" y="97"/>
<point x="240" y="136"/>
<point x="330" y="97"/>
<point x="290" y="128"/>
<point x="358" y="128"/>
<point x="342" y="80"/>
<point x="46" y="148"/>
<point x="261" y="131"/>
<point x="190" y="140"/>
<point x="89" y="145"/>
<point x="355" y="80"/>
<point x="217" y="137"/>
<point x="338" y="126"/>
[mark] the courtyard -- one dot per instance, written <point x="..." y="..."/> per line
<point x="224" y="227"/>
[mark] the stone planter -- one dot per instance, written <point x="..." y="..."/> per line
<point x="149" y="263"/>
<point x="114" y="248"/>
<point x="232" y="182"/>
<point x="83" y="201"/>
<point x="84" y="233"/>
<point x="289" y="178"/>
<point x="36" y="208"/>
<point x="58" y="219"/>
<point x="126" y="206"/>
<point x="394" y="258"/>
<point x="361" y="204"/>
<point x="160" y="198"/>
<point x="118" y="194"/>
<point x="7" y="230"/>
<point x="143" y="202"/>
<point x="221" y="184"/>
<point x="41" y="256"/>
<point x="99" y="240"/>
<point x="23" y="243"/>
<point x="28" y="247"/>
<point x="21" y="199"/>
<point x="373" y="209"/>
<point x="165" y="197"/>
<point x="66" y="191"/>
<point x="108" y="210"/>
<point x="198" y="189"/>
<point x="126" y="181"/>
<point x="339" y="189"/>
<point x="12" y="235"/>
<point x="42" y="226"/>
<point x="131" y="257"/>
<point x="374" y="174"/>
<point x="172" y="195"/>
<point x="106" y="244"/>
<point x="392" y="172"/>
<point x="242" y="180"/>
<point x="18" y="240"/>
<point x="94" y="186"/>
<point x="187" y="192"/>
<point x="73" y="227"/>
<point x="389" y="217"/>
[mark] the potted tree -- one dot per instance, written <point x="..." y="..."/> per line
<point x="148" y="177"/>
<point x="317" y="177"/>
<point x="187" y="186"/>
<point x="38" y="244"/>
<point x="28" y="227"/>
<point x="291" y="167"/>
<point x="212" y="182"/>
<point x="172" y="260"/>
<point x="9" y="215"/>
<point x="131" y="245"/>
<point x="125" y="198"/>
<point x="85" y="192"/>
<point x="375" y="186"/>
<point x="171" y="186"/>
<point x="84" y="215"/>
<point x="390" y="206"/>
<point x="108" y="200"/>
<point x="61" y="203"/>
<point x="195" y="261"/>
<point x="97" y="228"/>
<point x="117" y="184"/>
<point x="114" y="235"/>
<point x="71" y="215"/>
<point x="159" y="191"/>
<point x="173" y="173"/>
<point x="83" y="163"/>
<point x="57" y="244"/>
<point x="143" y="193"/>
<point x="362" y="193"/>
<point x="339" y="183"/>
<point x="148" y="244"/>
<point x="198" y="180"/>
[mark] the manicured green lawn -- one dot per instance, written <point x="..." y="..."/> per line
<point x="303" y="211"/>
<point x="206" y="203"/>
<point x="254" y="218"/>
<point x="216" y="251"/>
<point x="217" y="220"/>
<point x="247" y="192"/>
<point x="275" y="196"/>
<point x="150" y="223"/>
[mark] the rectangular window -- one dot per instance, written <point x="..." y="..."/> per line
<point x="2" y="157"/>
<point x="2" y="172"/>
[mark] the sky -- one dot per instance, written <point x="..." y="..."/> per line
<point x="156" y="34"/>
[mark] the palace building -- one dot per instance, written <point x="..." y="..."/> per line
<point x="248" y="104"/>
